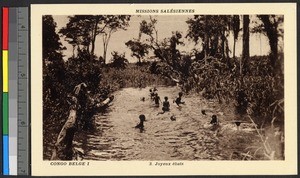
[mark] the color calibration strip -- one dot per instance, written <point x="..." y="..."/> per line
<point x="5" y="51"/>
<point x="13" y="90"/>
<point x="15" y="153"/>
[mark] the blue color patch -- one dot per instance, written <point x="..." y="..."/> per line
<point x="5" y="155"/>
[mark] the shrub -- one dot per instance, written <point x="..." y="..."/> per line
<point x="118" y="60"/>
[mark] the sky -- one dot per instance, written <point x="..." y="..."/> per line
<point x="166" y="25"/>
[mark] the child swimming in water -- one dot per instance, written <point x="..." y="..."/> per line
<point x="214" y="120"/>
<point x="214" y="125"/>
<point x="178" y="99"/>
<point x="141" y="124"/>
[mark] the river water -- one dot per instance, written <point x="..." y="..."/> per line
<point x="115" y="137"/>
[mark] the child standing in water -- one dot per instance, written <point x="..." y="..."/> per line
<point x="151" y="94"/>
<point x="156" y="100"/>
<point x="166" y="106"/>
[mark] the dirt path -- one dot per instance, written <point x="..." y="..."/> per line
<point x="115" y="137"/>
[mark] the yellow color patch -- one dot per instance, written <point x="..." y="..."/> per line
<point x="5" y="70"/>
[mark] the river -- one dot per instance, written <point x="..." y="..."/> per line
<point x="187" y="138"/>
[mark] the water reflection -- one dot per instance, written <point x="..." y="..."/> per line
<point x="161" y="138"/>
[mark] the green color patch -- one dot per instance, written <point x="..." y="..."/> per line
<point x="5" y="113"/>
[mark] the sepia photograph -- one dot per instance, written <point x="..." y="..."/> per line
<point x="129" y="87"/>
<point x="163" y="86"/>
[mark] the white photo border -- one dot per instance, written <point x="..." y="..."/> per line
<point x="96" y="168"/>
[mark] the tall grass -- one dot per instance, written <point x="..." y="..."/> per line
<point x="133" y="75"/>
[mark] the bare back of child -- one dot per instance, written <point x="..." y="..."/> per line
<point x="166" y="106"/>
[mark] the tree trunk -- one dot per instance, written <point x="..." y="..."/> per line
<point x="104" y="46"/>
<point x="236" y="29"/>
<point x="227" y="57"/>
<point x="223" y="38"/>
<point x="272" y="34"/>
<point x="206" y="41"/>
<point x="88" y="49"/>
<point x="274" y="50"/>
<point x="73" y="54"/>
<point x="214" y="46"/>
<point x="173" y="52"/>
<point x="94" y="36"/>
<point x="104" y="55"/>
<point x="106" y="39"/>
<point x="206" y="47"/>
<point x="234" y="41"/>
<point x="245" y="55"/>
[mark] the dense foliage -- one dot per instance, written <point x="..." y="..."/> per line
<point x="255" y="84"/>
<point x="118" y="61"/>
